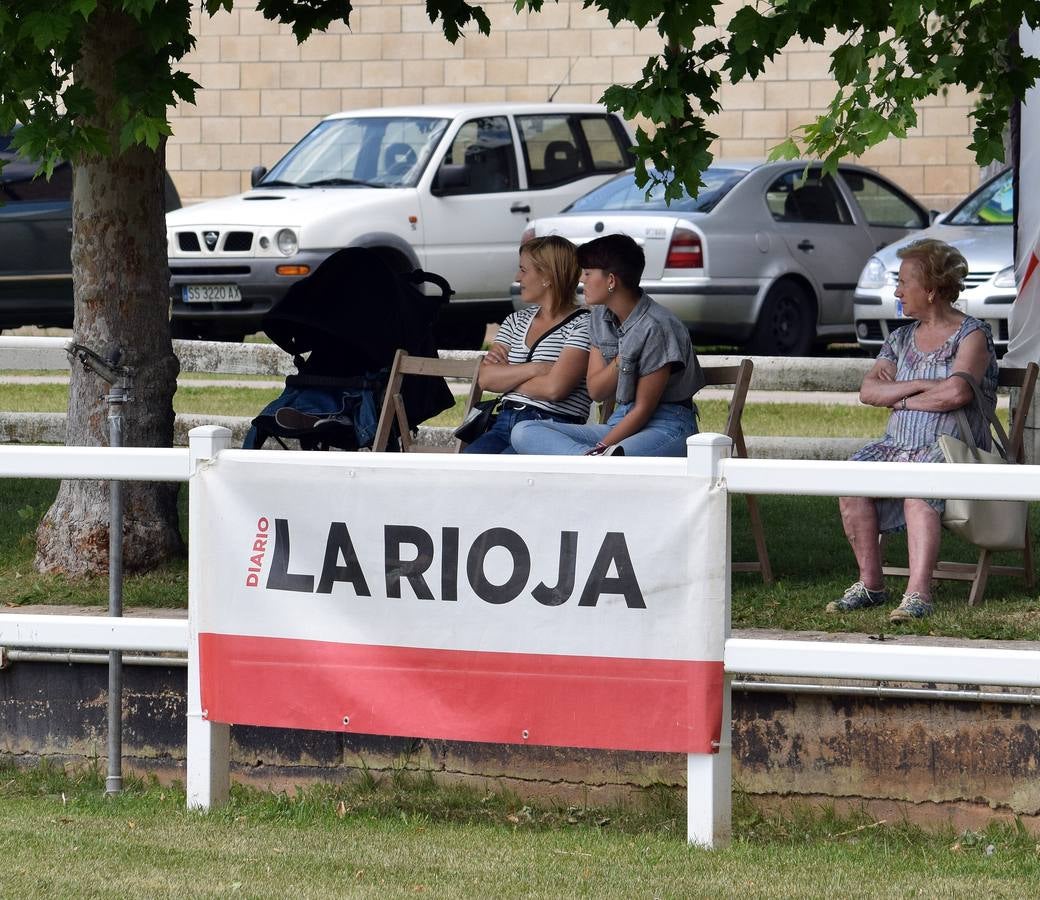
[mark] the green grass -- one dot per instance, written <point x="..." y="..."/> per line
<point x="406" y="836"/>
<point x="761" y="419"/>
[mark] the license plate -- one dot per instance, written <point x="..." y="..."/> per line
<point x="211" y="293"/>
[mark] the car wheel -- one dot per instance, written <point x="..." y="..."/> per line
<point x="787" y="323"/>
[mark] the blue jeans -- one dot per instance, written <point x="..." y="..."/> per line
<point x="496" y="438"/>
<point x="664" y="435"/>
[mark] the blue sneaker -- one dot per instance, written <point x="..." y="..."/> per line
<point x="858" y="597"/>
<point x="912" y="606"/>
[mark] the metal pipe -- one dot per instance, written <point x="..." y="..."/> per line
<point x="117" y="396"/>
<point x="886" y="693"/>
<point x="72" y="658"/>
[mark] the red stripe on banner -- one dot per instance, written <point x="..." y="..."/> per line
<point x="514" y="698"/>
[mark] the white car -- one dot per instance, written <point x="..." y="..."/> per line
<point x="980" y="226"/>
<point x="447" y="188"/>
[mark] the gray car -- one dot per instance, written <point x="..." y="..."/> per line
<point x="980" y="226"/>
<point x="36" y="237"/>
<point x="766" y="255"/>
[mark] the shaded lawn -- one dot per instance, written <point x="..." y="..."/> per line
<point x="408" y="836"/>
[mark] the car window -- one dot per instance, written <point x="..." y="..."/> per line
<point x="815" y="198"/>
<point x="559" y="148"/>
<point x="881" y="204"/>
<point x="609" y="146"/>
<point x="552" y="151"/>
<point x="623" y="193"/>
<point x="991" y="204"/>
<point x="484" y="149"/>
<point x="390" y="151"/>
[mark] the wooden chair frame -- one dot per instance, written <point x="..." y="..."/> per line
<point x="740" y="377"/>
<point x="430" y="367"/>
<point x="978" y="573"/>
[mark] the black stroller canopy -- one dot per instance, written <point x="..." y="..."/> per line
<point x="344" y="324"/>
<point x="353" y="312"/>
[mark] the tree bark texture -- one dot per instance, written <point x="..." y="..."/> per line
<point x="121" y="286"/>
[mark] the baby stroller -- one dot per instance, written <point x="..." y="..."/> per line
<point x="343" y="324"/>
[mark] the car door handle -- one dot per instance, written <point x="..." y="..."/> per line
<point x="806" y="245"/>
<point x="520" y="208"/>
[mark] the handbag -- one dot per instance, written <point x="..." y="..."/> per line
<point x="478" y="420"/>
<point x="990" y="524"/>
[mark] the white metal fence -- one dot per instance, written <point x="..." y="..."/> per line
<point x="207" y="752"/>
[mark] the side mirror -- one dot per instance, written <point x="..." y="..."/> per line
<point x="450" y="178"/>
<point x="256" y="174"/>
<point x="935" y="216"/>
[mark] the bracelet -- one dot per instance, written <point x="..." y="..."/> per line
<point x="902" y="403"/>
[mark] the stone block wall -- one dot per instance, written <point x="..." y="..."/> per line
<point x="262" y="91"/>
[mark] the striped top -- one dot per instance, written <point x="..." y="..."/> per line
<point x="512" y="334"/>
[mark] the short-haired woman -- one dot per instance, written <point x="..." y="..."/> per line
<point x="912" y="376"/>
<point x="539" y="356"/>
<point x="641" y="357"/>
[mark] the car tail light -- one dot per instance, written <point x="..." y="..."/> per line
<point x="685" y="251"/>
<point x="527" y="235"/>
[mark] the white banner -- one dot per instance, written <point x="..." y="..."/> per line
<point x="506" y="561"/>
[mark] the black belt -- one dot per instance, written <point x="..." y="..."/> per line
<point x="516" y="406"/>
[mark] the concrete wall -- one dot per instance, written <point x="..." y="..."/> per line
<point x="262" y="91"/>
<point x="930" y="762"/>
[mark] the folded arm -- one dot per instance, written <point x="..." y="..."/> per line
<point x="562" y="378"/>
<point x="497" y="375"/>
<point x="880" y="387"/>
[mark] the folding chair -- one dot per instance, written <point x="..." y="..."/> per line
<point x="978" y="573"/>
<point x="393" y="404"/>
<point x="740" y="377"/>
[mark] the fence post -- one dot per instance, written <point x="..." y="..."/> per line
<point x="208" y="774"/>
<point x="709" y="775"/>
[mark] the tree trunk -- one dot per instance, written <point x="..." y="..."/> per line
<point x="121" y="285"/>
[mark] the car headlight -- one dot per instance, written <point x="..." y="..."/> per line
<point x="287" y="242"/>
<point x="873" y="274"/>
<point x="1005" y="278"/>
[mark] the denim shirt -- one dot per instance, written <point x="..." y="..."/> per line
<point x="649" y="339"/>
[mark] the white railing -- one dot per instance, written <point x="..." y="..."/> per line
<point x="991" y="666"/>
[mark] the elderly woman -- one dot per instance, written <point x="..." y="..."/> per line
<point x="912" y="376"/>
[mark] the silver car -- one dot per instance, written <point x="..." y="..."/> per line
<point x="765" y="256"/>
<point x="980" y="226"/>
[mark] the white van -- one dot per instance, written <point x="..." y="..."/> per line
<point x="447" y="188"/>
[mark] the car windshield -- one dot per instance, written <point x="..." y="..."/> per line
<point x="992" y="204"/>
<point x="382" y="151"/>
<point x="623" y="193"/>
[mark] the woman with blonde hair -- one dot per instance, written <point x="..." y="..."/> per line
<point x="915" y="377"/>
<point x="540" y="355"/>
